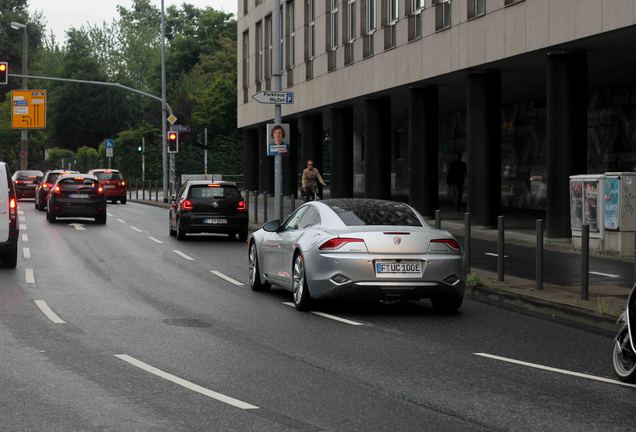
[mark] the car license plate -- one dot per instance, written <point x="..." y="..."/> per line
<point x="79" y="196"/>
<point x="109" y="186"/>
<point x="215" y="221"/>
<point x="398" y="269"/>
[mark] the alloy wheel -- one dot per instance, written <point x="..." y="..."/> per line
<point x="299" y="279"/>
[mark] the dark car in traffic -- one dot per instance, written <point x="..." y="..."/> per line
<point x="45" y="186"/>
<point x="113" y="183"/>
<point x="25" y="182"/>
<point x="208" y="207"/>
<point x="77" y="195"/>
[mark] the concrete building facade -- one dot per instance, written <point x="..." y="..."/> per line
<point x="529" y="91"/>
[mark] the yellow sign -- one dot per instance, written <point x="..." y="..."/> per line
<point x="28" y="109"/>
<point x="172" y="118"/>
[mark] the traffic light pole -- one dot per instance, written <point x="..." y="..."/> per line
<point x="278" y="162"/>
<point x="205" y="152"/>
<point x="164" y="140"/>
<point x="24" y="134"/>
<point x="143" y="159"/>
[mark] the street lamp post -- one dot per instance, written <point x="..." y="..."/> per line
<point x="24" y="137"/>
<point x="164" y="140"/>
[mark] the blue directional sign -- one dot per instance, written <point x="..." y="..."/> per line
<point x="109" y="143"/>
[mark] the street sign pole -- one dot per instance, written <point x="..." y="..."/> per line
<point x="278" y="162"/>
<point x="143" y="159"/>
<point x="205" y="152"/>
<point x="164" y="131"/>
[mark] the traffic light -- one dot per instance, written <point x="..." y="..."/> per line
<point x="139" y="149"/>
<point x="4" y="72"/>
<point x="173" y="142"/>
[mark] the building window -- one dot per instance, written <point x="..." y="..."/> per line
<point x="310" y="38"/>
<point x="269" y="50"/>
<point x="332" y="33"/>
<point x="245" y="7"/>
<point x="476" y="8"/>
<point x="246" y="65"/>
<point x="368" y="26"/>
<point x="349" y="36"/>
<point x="258" y="72"/>
<point x="509" y="2"/>
<point x="290" y="42"/>
<point x="257" y="2"/>
<point x="442" y="14"/>
<point x="414" y="14"/>
<point x="390" y="21"/>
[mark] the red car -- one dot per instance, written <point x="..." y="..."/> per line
<point x="113" y="183"/>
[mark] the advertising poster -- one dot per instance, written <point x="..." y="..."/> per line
<point x="576" y="204"/>
<point x="610" y="195"/>
<point x="591" y="204"/>
<point x="277" y="139"/>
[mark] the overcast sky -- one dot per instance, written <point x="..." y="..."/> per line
<point x="62" y="14"/>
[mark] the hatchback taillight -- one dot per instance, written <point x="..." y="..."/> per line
<point x="241" y="206"/>
<point x="100" y="190"/>
<point x="186" y="205"/>
<point x="339" y="242"/>
<point x="123" y="183"/>
<point x="57" y="190"/>
<point x="47" y="185"/>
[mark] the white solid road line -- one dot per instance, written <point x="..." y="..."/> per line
<point x="605" y="274"/>
<point x="329" y="316"/>
<point x="136" y="229"/>
<point x="494" y="254"/>
<point x="186" y="384"/>
<point x="227" y="278"/>
<point x="25" y="237"/>
<point x="23" y="227"/>
<point x="46" y="310"/>
<point x="29" y="276"/>
<point x="26" y="252"/>
<point x="155" y="240"/>
<point x="182" y="255"/>
<point x="551" y="369"/>
<point x="121" y="220"/>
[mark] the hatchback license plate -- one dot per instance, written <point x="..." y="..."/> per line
<point x="79" y="196"/>
<point x="215" y="221"/>
<point x="398" y="269"/>
<point x="109" y="186"/>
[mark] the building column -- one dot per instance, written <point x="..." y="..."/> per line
<point x="250" y="159"/>
<point x="341" y="134"/>
<point x="290" y="162"/>
<point x="311" y="125"/>
<point x="483" y="124"/>
<point x="377" y="131"/>
<point x="566" y="137"/>
<point x="424" y="149"/>
<point x="265" y="163"/>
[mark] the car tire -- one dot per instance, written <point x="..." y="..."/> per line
<point x="37" y="207"/>
<point x="242" y="236"/>
<point x="101" y="219"/>
<point x="180" y="234"/>
<point x="123" y="200"/>
<point x="624" y="364"/>
<point x="255" y="271"/>
<point x="171" y="231"/>
<point x="10" y="259"/>
<point x="300" y="289"/>
<point x="50" y="217"/>
<point x="448" y="303"/>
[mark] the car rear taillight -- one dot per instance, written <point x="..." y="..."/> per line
<point x="442" y="245"/>
<point x="47" y="185"/>
<point x="241" y="206"/>
<point x="18" y="182"/>
<point x="339" y="242"/>
<point x="123" y="183"/>
<point x="187" y="205"/>
<point x="13" y="208"/>
<point x="57" y="190"/>
<point x="100" y="190"/>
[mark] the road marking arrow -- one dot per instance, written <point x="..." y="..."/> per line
<point x="78" y="226"/>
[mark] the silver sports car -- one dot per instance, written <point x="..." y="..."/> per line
<point x="361" y="248"/>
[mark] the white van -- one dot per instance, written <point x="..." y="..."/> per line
<point x="8" y="219"/>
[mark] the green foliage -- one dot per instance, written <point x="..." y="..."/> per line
<point x="474" y="279"/>
<point x="61" y="158"/>
<point x="87" y="158"/>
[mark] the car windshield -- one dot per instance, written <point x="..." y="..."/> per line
<point x="106" y="175"/>
<point x="356" y="212"/>
<point x="78" y="181"/>
<point x="29" y="175"/>
<point x="213" y="191"/>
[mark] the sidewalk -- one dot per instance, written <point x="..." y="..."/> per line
<point x="557" y="301"/>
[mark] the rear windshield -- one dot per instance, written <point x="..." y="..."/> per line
<point x="79" y="181"/>
<point x="29" y="175"/>
<point x="108" y="175"/>
<point x="205" y="191"/>
<point x="53" y="176"/>
<point x="356" y="212"/>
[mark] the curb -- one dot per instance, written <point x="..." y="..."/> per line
<point x="602" y="324"/>
<point x="151" y="203"/>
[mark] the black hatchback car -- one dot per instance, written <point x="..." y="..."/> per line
<point x="45" y="186"/>
<point x="208" y="207"/>
<point x="25" y="183"/>
<point x="77" y="195"/>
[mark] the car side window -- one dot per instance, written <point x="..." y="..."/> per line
<point x="309" y="219"/>
<point x="292" y="221"/>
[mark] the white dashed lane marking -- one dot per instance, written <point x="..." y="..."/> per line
<point x="23" y="227"/>
<point x="609" y="275"/>
<point x="46" y="310"/>
<point x="182" y="255"/>
<point x="25" y="237"/>
<point x="110" y="214"/>
<point x="121" y="221"/>
<point x="29" y="276"/>
<point x="136" y="229"/>
<point x="329" y="316"/>
<point x="186" y="384"/>
<point x="26" y="252"/>
<point x="155" y="240"/>
<point x="227" y="278"/>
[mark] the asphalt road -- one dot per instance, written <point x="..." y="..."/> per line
<point x="121" y="327"/>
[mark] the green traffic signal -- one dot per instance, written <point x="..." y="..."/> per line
<point x="139" y="148"/>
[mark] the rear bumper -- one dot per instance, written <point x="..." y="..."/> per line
<point x="22" y="192"/>
<point x="74" y="208"/>
<point x="193" y="223"/>
<point x="115" y="192"/>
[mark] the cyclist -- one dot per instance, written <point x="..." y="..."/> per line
<point x="310" y="180"/>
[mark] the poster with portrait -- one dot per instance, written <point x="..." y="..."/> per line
<point x="278" y="139"/>
<point x="611" y="208"/>
<point x="576" y="204"/>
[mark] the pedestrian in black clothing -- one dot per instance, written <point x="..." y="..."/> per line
<point x="456" y="177"/>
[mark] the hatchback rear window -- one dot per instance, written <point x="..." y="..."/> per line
<point x="205" y="191"/>
<point x="356" y="212"/>
<point x="108" y="175"/>
<point x="79" y="181"/>
<point x="29" y="175"/>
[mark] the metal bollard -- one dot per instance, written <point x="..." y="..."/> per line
<point x="539" y="255"/>
<point x="466" y="244"/>
<point x="156" y="191"/>
<point x="255" y="207"/>
<point x="585" y="262"/>
<point x="247" y="203"/>
<point x="281" y="207"/>
<point x="265" y="207"/>
<point x="438" y="219"/>
<point x="137" y="190"/>
<point x="500" y="248"/>
<point x="143" y="190"/>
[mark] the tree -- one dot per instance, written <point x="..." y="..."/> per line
<point x="87" y="158"/>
